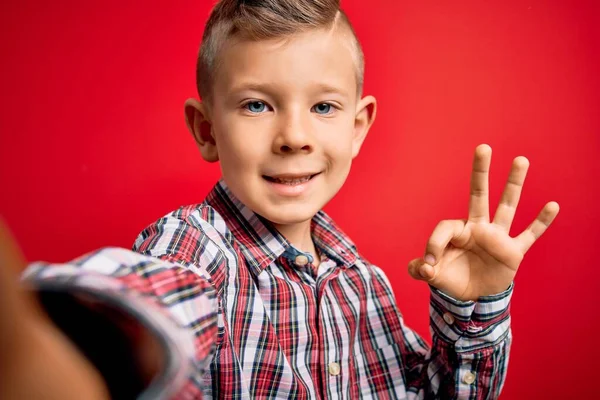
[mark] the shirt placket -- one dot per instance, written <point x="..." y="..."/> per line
<point x="334" y="363"/>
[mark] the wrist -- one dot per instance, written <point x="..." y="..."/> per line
<point x="468" y="325"/>
<point x="474" y="296"/>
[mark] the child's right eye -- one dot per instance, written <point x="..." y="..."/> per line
<point x="255" y="107"/>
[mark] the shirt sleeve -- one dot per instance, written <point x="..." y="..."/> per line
<point x="468" y="358"/>
<point x="471" y="345"/>
<point x="175" y="301"/>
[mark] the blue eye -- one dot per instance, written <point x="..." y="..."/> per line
<point x="322" y="108"/>
<point x="256" y="107"/>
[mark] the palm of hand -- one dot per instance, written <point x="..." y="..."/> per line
<point x="487" y="259"/>
<point x="471" y="258"/>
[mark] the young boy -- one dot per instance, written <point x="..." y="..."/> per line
<point x="257" y="293"/>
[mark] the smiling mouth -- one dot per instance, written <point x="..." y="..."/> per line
<point x="290" y="180"/>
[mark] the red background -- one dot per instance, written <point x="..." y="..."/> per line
<point x="93" y="144"/>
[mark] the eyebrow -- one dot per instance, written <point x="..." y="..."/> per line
<point x="270" y="88"/>
<point x="326" y="88"/>
<point x="259" y="87"/>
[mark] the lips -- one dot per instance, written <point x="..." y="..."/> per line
<point x="289" y="179"/>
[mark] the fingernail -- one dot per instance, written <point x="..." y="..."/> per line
<point x="430" y="259"/>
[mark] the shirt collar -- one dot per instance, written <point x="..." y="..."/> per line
<point x="261" y="244"/>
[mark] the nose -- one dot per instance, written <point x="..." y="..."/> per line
<point x="293" y="134"/>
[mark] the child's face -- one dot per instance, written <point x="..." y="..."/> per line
<point x="287" y="121"/>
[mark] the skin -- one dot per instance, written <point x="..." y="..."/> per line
<point x="284" y="107"/>
<point x="476" y="257"/>
<point x="36" y="359"/>
<point x="466" y="259"/>
<point x="266" y="119"/>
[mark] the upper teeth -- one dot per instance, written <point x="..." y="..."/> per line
<point x="292" y="181"/>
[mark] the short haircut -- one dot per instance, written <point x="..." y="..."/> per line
<point x="267" y="19"/>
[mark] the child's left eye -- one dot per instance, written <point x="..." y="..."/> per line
<point x="323" y="108"/>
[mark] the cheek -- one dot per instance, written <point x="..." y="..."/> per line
<point x="338" y="146"/>
<point x="237" y="144"/>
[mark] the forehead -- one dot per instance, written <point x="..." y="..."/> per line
<point x="306" y="60"/>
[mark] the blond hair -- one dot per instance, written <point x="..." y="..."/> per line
<point x="267" y="19"/>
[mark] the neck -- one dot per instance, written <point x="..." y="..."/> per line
<point x="299" y="235"/>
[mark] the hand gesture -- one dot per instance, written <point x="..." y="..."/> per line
<point x="470" y="258"/>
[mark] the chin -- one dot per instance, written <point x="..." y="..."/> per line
<point x="288" y="215"/>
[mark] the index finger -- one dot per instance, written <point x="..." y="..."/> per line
<point x="479" y="208"/>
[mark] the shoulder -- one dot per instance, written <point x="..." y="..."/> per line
<point x="193" y="235"/>
<point x="198" y="216"/>
<point x="197" y="219"/>
<point x="329" y="235"/>
<point x="374" y="273"/>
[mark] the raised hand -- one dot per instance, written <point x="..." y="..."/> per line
<point x="471" y="258"/>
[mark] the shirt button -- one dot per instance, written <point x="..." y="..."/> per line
<point x="301" y="261"/>
<point x="334" y="368"/>
<point x="448" y="318"/>
<point x="469" y="378"/>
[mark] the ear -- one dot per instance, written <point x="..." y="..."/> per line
<point x="366" y="110"/>
<point x="199" y="125"/>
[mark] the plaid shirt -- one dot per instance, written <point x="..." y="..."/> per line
<point x="246" y="315"/>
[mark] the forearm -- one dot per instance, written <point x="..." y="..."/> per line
<point x="142" y="306"/>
